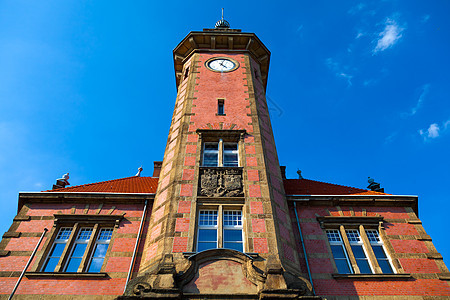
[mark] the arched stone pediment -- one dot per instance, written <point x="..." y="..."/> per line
<point x="219" y="271"/>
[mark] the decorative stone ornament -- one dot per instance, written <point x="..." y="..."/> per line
<point x="221" y="182"/>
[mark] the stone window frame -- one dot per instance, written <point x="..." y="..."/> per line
<point x="76" y="222"/>
<point x="361" y="224"/>
<point x="220" y="208"/>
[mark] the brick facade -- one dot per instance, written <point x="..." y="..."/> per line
<point x="272" y="214"/>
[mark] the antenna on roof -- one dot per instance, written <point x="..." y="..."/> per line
<point x="138" y="174"/>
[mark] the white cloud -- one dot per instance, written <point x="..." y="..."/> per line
<point x="389" y="36"/>
<point x="425" y="18"/>
<point x="340" y="71"/>
<point x="357" y="8"/>
<point x="419" y="103"/>
<point x="446" y="124"/>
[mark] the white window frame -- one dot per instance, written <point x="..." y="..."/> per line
<point x="340" y="243"/>
<point x="375" y="240"/>
<point x="79" y="241"/>
<point x="214" y="213"/>
<point x="220" y="226"/>
<point x="237" y="227"/>
<point x="220" y="153"/>
<point x="57" y="241"/>
<point x="99" y="242"/>
<point x="357" y="241"/>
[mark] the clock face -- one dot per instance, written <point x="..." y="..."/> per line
<point x="222" y="65"/>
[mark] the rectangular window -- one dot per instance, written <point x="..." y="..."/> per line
<point x="77" y="249"/>
<point x="339" y="253"/>
<point x="57" y="249"/>
<point x="100" y="248"/>
<point x="232" y="230"/>
<point x="353" y="248"/>
<point x="378" y="250"/>
<point x="221" y="107"/>
<point x="358" y="251"/>
<point x="209" y="227"/>
<point x="220" y="154"/>
<point x="207" y="230"/>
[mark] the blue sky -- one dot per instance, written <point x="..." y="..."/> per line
<point x="356" y="89"/>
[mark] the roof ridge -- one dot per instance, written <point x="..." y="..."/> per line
<point x="98" y="182"/>
<point x="354" y="189"/>
<point x="351" y="187"/>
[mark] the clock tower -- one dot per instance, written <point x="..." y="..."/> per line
<point x="220" y="223"/>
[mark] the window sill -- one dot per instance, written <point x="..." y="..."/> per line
<point x="372" y="276"/>
<point x="65" y="275"/>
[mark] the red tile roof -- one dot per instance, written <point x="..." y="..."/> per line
<point x="312" y="187"/>
<point x="122" y="185"/>
<point x="149" y="184"/>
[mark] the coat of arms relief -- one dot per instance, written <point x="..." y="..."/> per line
<point x="218" y="182"/>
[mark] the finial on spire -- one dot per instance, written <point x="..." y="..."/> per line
<point x="222" y="23"/>
<point x="139" y="171"/>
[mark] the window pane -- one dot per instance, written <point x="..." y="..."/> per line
<point x="230" y="160"/>
<point x="57" y="250"/>
<point x="212" y="147"/>
<point x="338" y="252"/>
<point x="79" y="250"/>
<point x="220" y="109"/>
<point x="96" y="265"/>
<point x="208" y="218"/>
<point x="358" y="252"/>
<point x="73" y="265"/>
<point x="230" y="147"/>
<point x="211" y="159"/>
<point x="205" y="246"/>
<point x="232" y="235"/>
<point x="207" y="235"/>
<point x="364" y="267"/>
<point x="51" y="264"/>
<point x="64" y="233"/>
<point x="385" y="266"/>
<point x="379" y="252"/>
<point x="232" y="218"/>
<point x="234" y="246"/>
<point x="84" y="234"/>
<point x="230" y="155"/>
<point x="100" y="250"/>
<point x="105" y="234"/>
<point x="342" y="266"/>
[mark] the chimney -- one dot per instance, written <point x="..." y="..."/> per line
<point x="157" y="168"/>
<point x="374" y="186"/>
<point x="283" y="172"/>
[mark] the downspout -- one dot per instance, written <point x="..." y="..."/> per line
<point x="136" y="245"/>
<point x="304" y="250"/>
<point x="28" y="264"/>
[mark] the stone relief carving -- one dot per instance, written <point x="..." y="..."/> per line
<point x="220" y="182"/>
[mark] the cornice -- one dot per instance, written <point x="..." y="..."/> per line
<point x="221" y="41"/>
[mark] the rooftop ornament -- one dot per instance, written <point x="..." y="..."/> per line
<point x="222" y="23"/>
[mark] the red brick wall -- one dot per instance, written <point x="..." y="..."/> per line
<point x="402" y="245"/>
<point x="121" y="248"/>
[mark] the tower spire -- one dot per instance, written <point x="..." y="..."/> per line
<point x="222" y="23"/>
